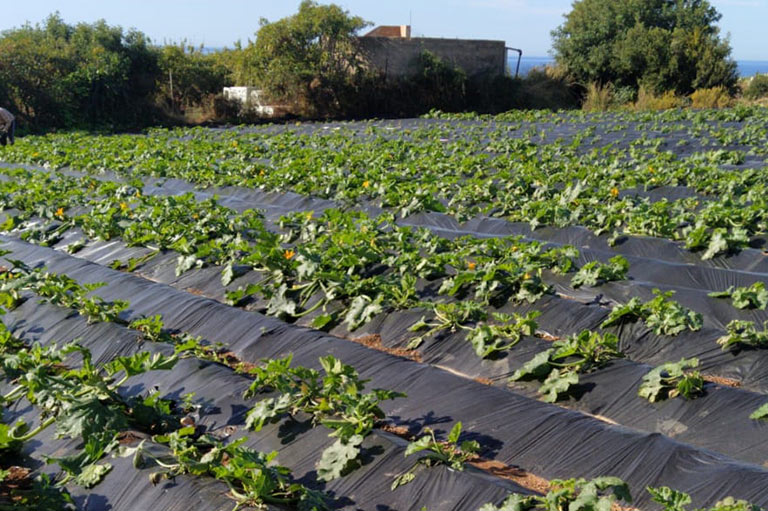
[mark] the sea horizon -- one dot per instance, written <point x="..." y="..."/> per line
<point x="746" y="68"/>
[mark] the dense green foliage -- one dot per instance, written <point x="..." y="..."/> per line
<point x="350" y="272"/>
<point x="188" y="76"/>
<point x="662" y="45"/>
<point x="56" y="74"/>
<point x="311" y="62"/>
<point x="757" y="87"/>
<point x="310" y="58"/>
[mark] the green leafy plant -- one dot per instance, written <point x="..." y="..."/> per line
<point x="558" y="367"/>
<point x="60" y="290"/>
<point x="716" y="241"/>
<point x="450" y="453"/>
<point x="595" y="273"/>
<point x="448" y="316"/>
<point x="252" y="477"/>
<point x="744" y="333"/>
<point x="599" y="494"/>
<point x="751" y="297"/>
<point x="673" y="500"/>
<point x="334" y="399"/>
<point x="490" y="338"/>
<point x="662" y="315"/>
<point x="760" y="413"/>
<point x="82" y="402"/>
<point x="671" y="380"/>
<point x="27" y="492"/>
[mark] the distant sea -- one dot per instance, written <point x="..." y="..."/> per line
<point x="746" y="67"/>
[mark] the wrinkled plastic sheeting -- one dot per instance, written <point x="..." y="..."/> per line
<point x="750" y="260"/>
<point x="563" y="317"/>
<point x="639" y="249"/>
<point x="719" y="420"/>
<point x="560" y="317"/>
<point x="219" y="389"/>
<point x="547" y="440"/>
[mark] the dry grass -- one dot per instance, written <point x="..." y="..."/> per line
<point x="514" y="474"/>
<point x="373" y="341"/>
<point x="715" y="97"/>
<point x="599" y="98"/>
<point x="721" y="380"/>
<point x="647" y="100"/>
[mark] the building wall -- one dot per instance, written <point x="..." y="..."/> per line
<point x="398" y="57"/>
<point x="251" y="100"/>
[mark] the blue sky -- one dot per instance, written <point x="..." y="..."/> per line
<point x="521" y="23"/>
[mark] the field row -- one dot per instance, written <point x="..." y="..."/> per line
<point x="564" y="294"/>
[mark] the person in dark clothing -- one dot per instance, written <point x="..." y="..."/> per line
<point x="7" y="127"/>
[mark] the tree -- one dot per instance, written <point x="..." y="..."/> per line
<point x="311" y="58"/>
<point x="240" y="62"/>
<point x="188" y="76"/>
<point x="660" y="45"/>
<point x="59" y="75"/>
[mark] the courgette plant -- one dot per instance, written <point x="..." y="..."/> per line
<point x="334" y="398"/>
<point x="743" y="333"/>
<point x="604" y="494"/>
<point x="489" y="339"/>
<point x="671" y="380"/>
<point x="558" y="367"/>
<point x="82" y="402"/>
<point x="599" y="494"/>
<point x="253" y="478"/>
<point x="450" y="453"/>
<point x="662" y="315"/>
<point x="750" y="297"/>
<point x="59" y="290"/>
<point x="450" y="316"/>
<point x="673" y="500"/>
<point x="595" y="273"/>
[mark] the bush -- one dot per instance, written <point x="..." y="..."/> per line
<point x="225" y="108"/>
<point x="647" y="100"/>
<point x="757" y="87"/>
<point x="310" y="59"/>
<point x="438" y="84"/>
<point x="188" y="77"/>
<point x="548" y="88"/>
<point x="659" y="44"/>
<point x="599" y="98"/>
<point x="87" y="75"/>
<point x="715" y="97"/>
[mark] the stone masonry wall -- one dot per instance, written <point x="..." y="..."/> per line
<point x="397" y="57"/>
